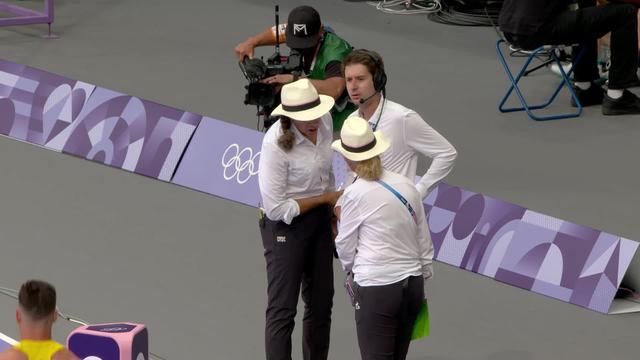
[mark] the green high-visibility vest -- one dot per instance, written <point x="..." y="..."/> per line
<point x="333" y="48"/>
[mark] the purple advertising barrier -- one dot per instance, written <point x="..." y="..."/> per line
<point x="35" y="105"/>
<point x="507" y="242"/>
<point x="94" y="123"/>
<point x="129" y="133"/>
<point x="222" y="159"/>
<point x="533" y="251"/>
<point x="474" y="232"/>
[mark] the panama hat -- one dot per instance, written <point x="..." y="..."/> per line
<point x="358" y="142"/>
<point x="300" y="101"/>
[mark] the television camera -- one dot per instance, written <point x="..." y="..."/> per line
<point x="266" y="96"/>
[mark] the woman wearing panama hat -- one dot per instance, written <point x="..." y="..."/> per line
<point x="384" y="241"/>
<point x="297" y="188"/>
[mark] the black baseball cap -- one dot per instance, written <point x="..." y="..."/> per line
<point x="303" y="28"/>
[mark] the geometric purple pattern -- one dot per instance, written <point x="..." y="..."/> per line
<point x="35" y="105"/>
<point x="520" y="247"/>
<point x="129" y="133"/>
<point x="93" y="123"/>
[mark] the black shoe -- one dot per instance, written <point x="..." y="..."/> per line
<point x="592" y="96"/>
<point x="635" y="83"/>
<point x="629" y="103"/>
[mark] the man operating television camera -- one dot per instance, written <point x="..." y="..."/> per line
<point x="322" y="52"/>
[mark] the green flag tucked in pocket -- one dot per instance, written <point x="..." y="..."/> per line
<point x="421" y="325"/>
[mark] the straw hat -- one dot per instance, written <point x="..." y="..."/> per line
<point x="300" y="101"/>
<point x="358" y="142"/>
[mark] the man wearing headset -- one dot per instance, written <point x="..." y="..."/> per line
<point x="407" y="132"/>
<point x="322" y="53"/>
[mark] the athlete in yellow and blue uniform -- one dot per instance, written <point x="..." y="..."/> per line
<point x="38" y="349"/>
<point x="35" y="316"/>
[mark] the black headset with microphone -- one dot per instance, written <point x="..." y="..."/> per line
<point x="379" y="78"/>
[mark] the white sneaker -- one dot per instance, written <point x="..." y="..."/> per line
<point x="556" y="70"/>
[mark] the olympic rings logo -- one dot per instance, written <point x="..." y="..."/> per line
<point x="238" y="164"/>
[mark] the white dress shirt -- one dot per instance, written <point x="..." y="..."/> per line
<point x="301" y="172"/>
<point x="410" y="135"/>
<point x="378" y="239"/>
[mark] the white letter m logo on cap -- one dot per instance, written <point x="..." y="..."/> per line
<point x="299" y="28"/>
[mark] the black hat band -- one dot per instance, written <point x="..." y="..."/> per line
<point x="301" y="107"/>
<point x="360" y="149"/>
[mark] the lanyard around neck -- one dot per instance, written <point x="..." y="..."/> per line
<point x="375" y="126"/>
<point x="404" y="201"/>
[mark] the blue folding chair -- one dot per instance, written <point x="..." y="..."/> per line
<point x="551" y="51"/>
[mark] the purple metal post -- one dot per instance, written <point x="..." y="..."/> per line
<point x="24" y="16"/>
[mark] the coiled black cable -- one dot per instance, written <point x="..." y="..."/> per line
<point x="468" y="12"/>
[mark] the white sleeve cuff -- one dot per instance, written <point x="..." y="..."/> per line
<point x="293" y="210"/>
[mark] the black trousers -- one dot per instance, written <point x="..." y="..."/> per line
<point x="584" y="27"/>
<point x="385" y="317"/>
<point x="298" y="256"/>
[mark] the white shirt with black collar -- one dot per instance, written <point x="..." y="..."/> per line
<point x="377" y="237"/>
<point x="409" y="136"/>
<point x="301" y="172"/>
